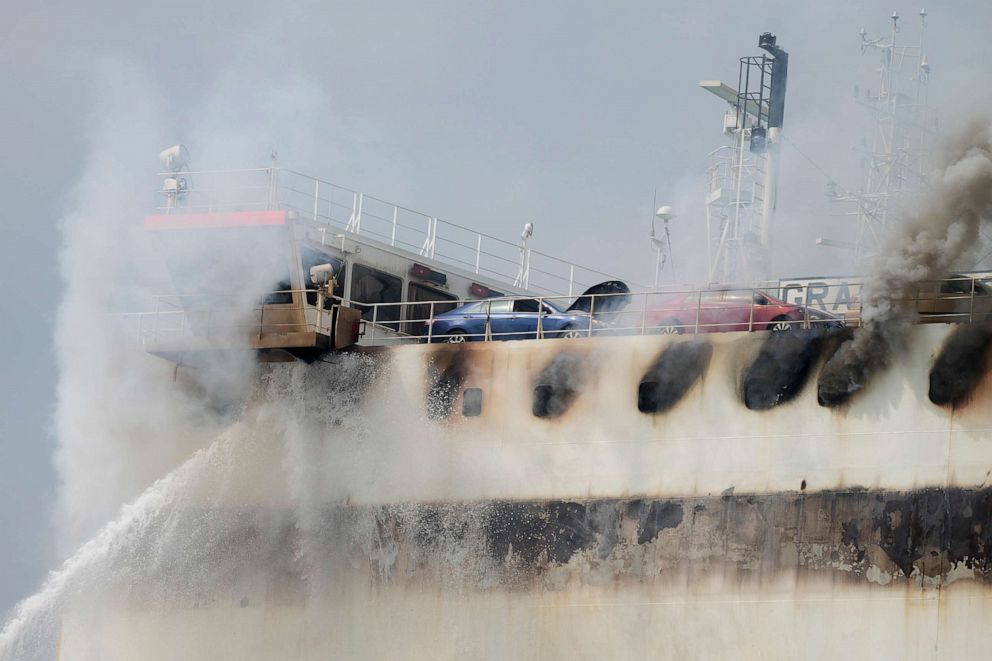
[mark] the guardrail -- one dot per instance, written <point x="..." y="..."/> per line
<point x="387" y="223"/>
<point x="214" y="316"/>
<point x="670" y="312"/>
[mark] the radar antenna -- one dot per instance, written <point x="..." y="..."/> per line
<point x="661" y="240"/>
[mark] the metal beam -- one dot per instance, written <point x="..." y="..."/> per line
<point x="730" y="95"/>
<point x="832" y="243"/>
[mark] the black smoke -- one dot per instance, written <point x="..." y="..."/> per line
<point x="926" y="243"/>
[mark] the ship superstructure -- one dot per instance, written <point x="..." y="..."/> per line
<point x="391" y="268"/>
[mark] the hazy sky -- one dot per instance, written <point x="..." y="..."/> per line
<point x="567" y="115"/>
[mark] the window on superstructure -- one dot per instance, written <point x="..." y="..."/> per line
<point x="420" y="298"/>
<point x="370" y="286"/>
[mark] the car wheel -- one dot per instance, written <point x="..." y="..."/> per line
<point x="780" y="324"/>
<point x="669" y="327"/>
<point x="456" y="337"/>
<point x="570" y="332"/>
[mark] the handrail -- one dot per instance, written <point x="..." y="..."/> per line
<point x="653" y="312"/>
<point x="395" y="225"/>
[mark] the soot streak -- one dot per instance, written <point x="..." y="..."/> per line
<point x="781" y="368"/>
<point x="558" y="384"/>
<point x="867" y="536"/>
<point x="886" y="537"/>
<point x="960" y="365"/>
<point x="446" y="374"/>
<point x="654" y="516"/>
<point x="672" y="374"/>
<point x="555" y="531"/>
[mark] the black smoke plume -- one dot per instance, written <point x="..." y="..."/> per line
<point x="926" y="242"/>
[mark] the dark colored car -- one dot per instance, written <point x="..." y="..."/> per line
<point x="954" y="299"/>
<point x="517" y="318"/>
<point x="509" y="319"/>
<point x="721" y="310"/>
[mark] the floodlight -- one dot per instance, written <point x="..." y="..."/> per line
<point x="175" y="158"/>
<point x="321" y="274"/>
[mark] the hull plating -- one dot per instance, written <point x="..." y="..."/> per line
<point x="599" y="444"/>
<point x="717" y="511"/>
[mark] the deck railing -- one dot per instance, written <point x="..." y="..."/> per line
<point x="213" y="316"/>
<point x="389" y="224"/>
<point x="670" y="312"/>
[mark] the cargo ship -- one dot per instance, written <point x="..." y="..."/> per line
<point x="624" y="493"/>
<point x="665" y="477"/>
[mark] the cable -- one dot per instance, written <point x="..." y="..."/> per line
<point x="846" y="192"/>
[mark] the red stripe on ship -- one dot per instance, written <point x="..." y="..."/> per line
<point x="176" y="221"/>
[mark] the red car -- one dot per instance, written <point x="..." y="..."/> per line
<point x="720" y="310"/>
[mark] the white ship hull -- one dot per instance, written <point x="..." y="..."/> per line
<point x="395" y="526"/>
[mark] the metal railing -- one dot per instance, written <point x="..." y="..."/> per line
<point x="215" y="317"/>
<point x="381" y="221"/>
<point x="521" y="317"/>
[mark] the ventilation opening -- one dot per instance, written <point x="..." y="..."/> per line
<point x="781" y="369"/>
<point x="472" y="402"/>
<point x="558" y="384"/>
<point x="648" y="397"/>
<point x="543" y="395"/>
<point x="672" y="375"/>
<point x="961" y="365"/>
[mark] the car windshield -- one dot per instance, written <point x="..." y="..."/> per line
<point x="769" y="299"/>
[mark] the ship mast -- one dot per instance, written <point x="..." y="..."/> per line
<point x="743" y="175"/>
<point x="896" y="156"/>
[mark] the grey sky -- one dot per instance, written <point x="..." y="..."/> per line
<point x="567" y="115"/>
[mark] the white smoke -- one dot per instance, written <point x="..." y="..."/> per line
<point x="130" y="425"/>
<point x="121" y="421"/>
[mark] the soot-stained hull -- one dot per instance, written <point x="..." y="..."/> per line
<point x="537" y="500"/>
<point x="665" y="417"/>
<point x="888" y="574"/>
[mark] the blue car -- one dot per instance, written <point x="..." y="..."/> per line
<point x="517" y="319"/>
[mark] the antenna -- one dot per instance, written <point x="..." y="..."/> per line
<point x="662" y="244"/>
<point x="896" y="155"/>
<point x="523" y="273"/>
<point x="273" y="179"/>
